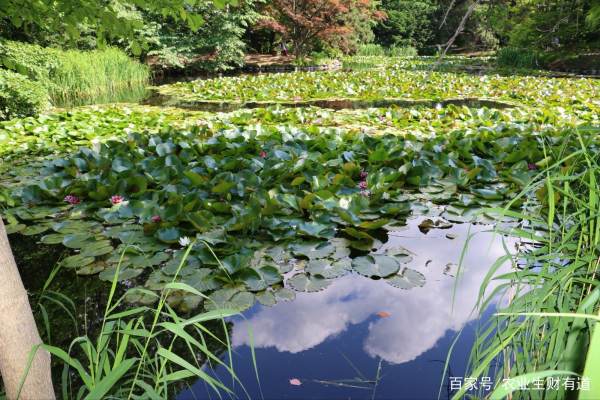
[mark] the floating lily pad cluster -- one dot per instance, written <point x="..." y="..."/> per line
<point x="394" y="81"/>
<point x="279" y="201"/>
<point x="271" y="209"/>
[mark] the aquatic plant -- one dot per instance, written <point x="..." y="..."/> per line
<point x="143" y="350"/>
<point x="548" y="327"/>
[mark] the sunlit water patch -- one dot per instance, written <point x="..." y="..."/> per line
<point x="331" y="344"/>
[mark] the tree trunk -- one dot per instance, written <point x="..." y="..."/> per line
<point x="19" y="334"/>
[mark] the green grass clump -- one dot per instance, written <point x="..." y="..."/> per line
<point x="96" y="76"/>
<point x="549" y="326"/>
<point x="74" y="77"/>
<point x="515" y="57"/>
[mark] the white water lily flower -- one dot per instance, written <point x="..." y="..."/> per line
<point x="184" y="241"/>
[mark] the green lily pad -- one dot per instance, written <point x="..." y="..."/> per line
<point x="266" y="298"/>
<point x="77" y="261"/>
<point x="378" y="266"/>
<point x="329" y="269"/>
<point x="230" y="298"/>
<point x="408" y="279"/>
<point x="313" y="250"/>
<point x="308" y="283"/>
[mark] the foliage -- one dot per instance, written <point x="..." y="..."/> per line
<point x="549" y="26"/>
<point x="20" y="97"/>
<point x="370" y="50"/>
<point x="77" y="77"/>
<point x="108" y="20"/>
<point x="402" y="79"/>
<point x="554" y="295"/>
<point x="517" y="58"/>
<point x="216" y="45"/>
<point x="143" y="350"/>
<point x="332" y="22"/>
<point x="408" y="23"/>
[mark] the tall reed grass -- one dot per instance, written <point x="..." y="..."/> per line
<point x="549" y="327"/>
<point x="84" y="77"/>
<point x="144" y="352"/>
<point x="74" y="77"/>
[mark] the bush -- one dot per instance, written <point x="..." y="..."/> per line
<point x="76" y="77"/>
<point x="517" y="58"/>
<point x="20" y="96"/>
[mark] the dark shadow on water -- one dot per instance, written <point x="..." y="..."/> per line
<point x="157" y="99"/>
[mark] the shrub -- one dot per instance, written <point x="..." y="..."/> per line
<point x="20" y="96"/>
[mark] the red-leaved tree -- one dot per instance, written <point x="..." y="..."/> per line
<point x="306" y="22"/>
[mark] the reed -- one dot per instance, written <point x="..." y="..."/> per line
<point x="549" y="326"/>
<point x="99" y="76"/>
<point x="144" y="351"/>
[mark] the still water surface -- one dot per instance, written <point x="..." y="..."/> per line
<point x="364" y="339"/>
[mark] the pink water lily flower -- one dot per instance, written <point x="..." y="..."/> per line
<point x="156" y="219"/>
<point x="72" y="199"/>
<point x="263" y="154"/>
<point x="116" y="199"/>
<point x="363" y="174"/>
<point x="363" y="185"/>
<point x="532" y="166"/>
<point x="365" y="193"/>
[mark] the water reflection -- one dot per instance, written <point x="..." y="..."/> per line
<point x="418" y="317"/>
<point x="337" y="335"/>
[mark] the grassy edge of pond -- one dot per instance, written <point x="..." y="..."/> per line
<point x="550" y="327"/>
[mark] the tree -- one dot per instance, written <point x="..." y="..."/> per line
<point x="408" y="23"/>
<point x="19" y="334"/>
<point x="216" y="45"/>
<point x="307" y="22"/>
<point x="107" y="19"/>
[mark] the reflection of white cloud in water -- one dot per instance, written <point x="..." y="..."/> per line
<point x="419" y="317"/>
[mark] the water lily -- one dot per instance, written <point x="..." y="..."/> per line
<point x="184" y="241"/>
<point x="363" y="174"/>
<point x="263" y="154"/>
<point x="532" y="166"/>
<point x="72" y="199"/>
<point x="116" y="199"/>
<point x="156" y="219"/>
<point x="363" y="185"/>
<point x="365" y="193"/>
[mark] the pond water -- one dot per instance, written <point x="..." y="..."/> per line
<point x="158" y="99"/>
<point x="364" y="339"/>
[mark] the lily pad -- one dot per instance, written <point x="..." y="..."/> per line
<point x="308" y="283"/>
<point x="329" y="269"/>
<point x="378" y="266"/>
<point x="230" y="298"/>
<point x="408" y="279"/>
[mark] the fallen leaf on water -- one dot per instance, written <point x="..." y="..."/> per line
<point x="383" y="314"/>
<point x="451" y="236"/>
<point x="295" y="382"/>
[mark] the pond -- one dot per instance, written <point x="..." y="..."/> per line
<point x="364" y="339"/>
<point x="334" y="221"/>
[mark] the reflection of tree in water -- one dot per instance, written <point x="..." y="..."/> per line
<point x="85" y="299"/>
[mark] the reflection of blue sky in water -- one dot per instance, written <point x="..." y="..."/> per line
<point x="419" y="317"/>
<point x="311" y="337"/>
